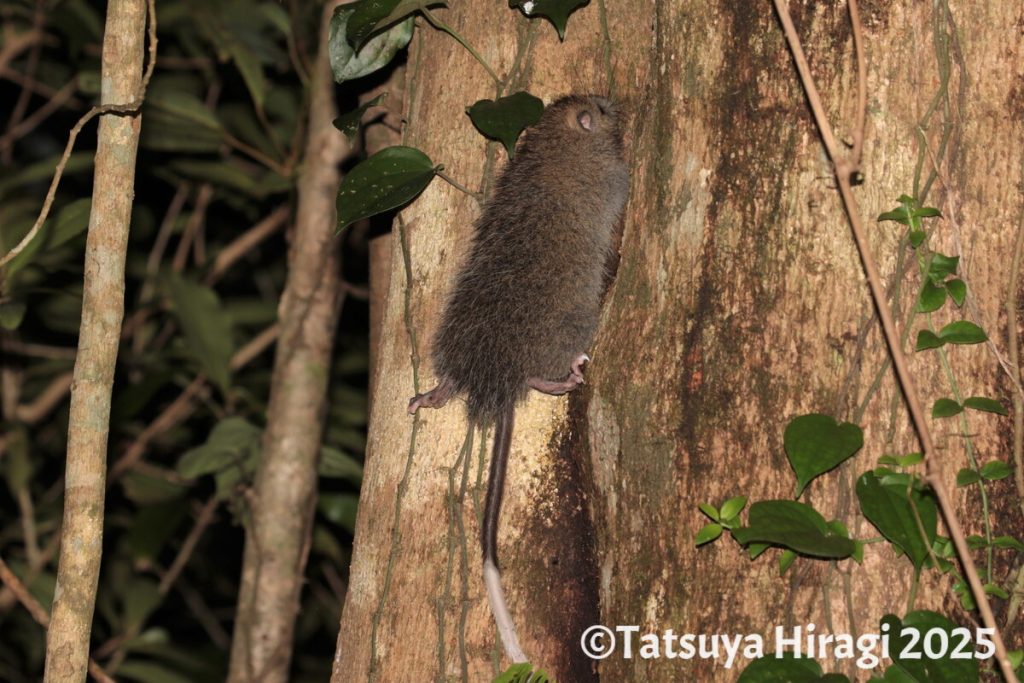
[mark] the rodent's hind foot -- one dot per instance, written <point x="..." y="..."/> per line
<point x="435" y="398"/>
<point x="562" y="386"/>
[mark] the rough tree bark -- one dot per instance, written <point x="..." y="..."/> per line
<point x="284" y="496"/>
<point x="78" y="570"/>
<point x="739" y="303"/>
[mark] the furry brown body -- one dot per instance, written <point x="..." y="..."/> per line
<point x="525" y="305"/>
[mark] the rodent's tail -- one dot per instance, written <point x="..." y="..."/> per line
<point x="489" y="534"/>
<point x="496" y="483"/>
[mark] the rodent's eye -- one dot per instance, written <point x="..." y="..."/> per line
<point x="585" y="120"/>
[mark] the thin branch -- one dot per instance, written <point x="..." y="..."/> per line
<point x="246" y="242"/>
<point x="14" y="45"/>
<point x="37" y="87"/>
<point x="132" y="108"/>
<point x="843" y="168"/>
<point x="203" y="520"/>
<point x="22" y="348"/>
<point x="51" y="397"/>
<point x="39" y="613"/>
<point x="58" y="100"/>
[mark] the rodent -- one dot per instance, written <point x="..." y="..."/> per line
<point x="525" y="304"/>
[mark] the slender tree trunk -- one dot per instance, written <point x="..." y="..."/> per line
<point x="67" y="642"/>
<point x="739" y="303"/>
<point x="278" y="533"/>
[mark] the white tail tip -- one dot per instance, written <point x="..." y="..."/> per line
<point x="506" y="629"/>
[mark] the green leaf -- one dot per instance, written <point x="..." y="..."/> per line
<point x="370" y="16"/>
<point x="989" y="405"/>
<point x="957" y="291"/>
<point x="889" y="508"/>
<point x="967" y="476"/>
<point x="926" y="339"/>
<point x="994" y="470"/>
<point x="72" y="220"/>
<point x="787" y="669"/>
<point x="555" y="11"/>
<point x="707" y="533"/>
<point x="927" y="212"/>
<point x="506" y="118"/>
<point x="711" y="511"/>
<point x="755" y="549"/>
<point x="899" y="215"/>
<point x="733" y="507"/>
<point x="996" y="590"/>
<point x="206" y="327"/>
<point x="348" y="63"/>
<point x="387" y="180"/>
<point x="522" y="673"/>
<point x="942" y="266"/>
<point x="248" y="64"/>
<point x="816" y="443"/>
<point x="911" y="459"/>
<point x="946" y="407"/>
<point x="337" y="464"/>
<point x="182" y="105"/>
<point x="1007" y="542"/>
<point x="349" y="122"/>
<point x="147" y="490"/>
<point x="962" y="332"/>
<point x="339" y="508"/>
<point x="917" y="238"/>
<point x="927" y="669"/>
<point x="786" y="559"/>
<point x="931" y="298"/>
<point x="792" y="525"/>
<point x="11" y="314"/>
<point x="230" y="443"/>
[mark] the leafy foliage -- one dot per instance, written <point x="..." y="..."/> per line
<point x="505" y="119"/>
<point x="222" y="131"/>
<point x="555" y="11"/>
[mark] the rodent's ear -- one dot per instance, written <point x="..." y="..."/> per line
<point x="586" y="120"/>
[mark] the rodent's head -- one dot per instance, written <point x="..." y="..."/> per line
<point x="586" y="115"/>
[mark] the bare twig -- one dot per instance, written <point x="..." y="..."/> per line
<point x="246" y="242"/>
<point x="844" y="167"/>
<point x="130" y="108"/>
<point x="41" y="89"/>
<point x="22" y="128"/>
<point x="21" y="348"/>
<point x="51" y="397"/>
<point x="14" y="45"/>
<point x="203" y="520"/>
<point x="39" y="614"/>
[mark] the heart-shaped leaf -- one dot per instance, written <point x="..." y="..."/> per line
<point x="506" y="118"/>
<point x="787" y="668"/>
<point x="387" y="180"/>
<point x="555" y="11"/>
<point x="989" y="405"/>
<point x="817" y="443"/>
<point x="957" y="289"/>
<point x="932" y="297"/>
<point x="967" y="476"/>
<point x="994" y="470"/>
<point x="888" y="507"/>
<point x="926" y="668"/>
<point x="926" y="339"/>
<point x="370" y="16"/>
<point x="962" y="332"/>
<point x="946" y="407"/>
<point x="708" y="533"/>
<point x="349" y="122"/>
<point x="792" y="525"/>
<point x="942" y="266"/>
<point x="348" y="63"/>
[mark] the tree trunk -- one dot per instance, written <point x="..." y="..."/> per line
<point x="67" y="641"/>
<point x="739" y="303"/>
<point x="278" y="533"/>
